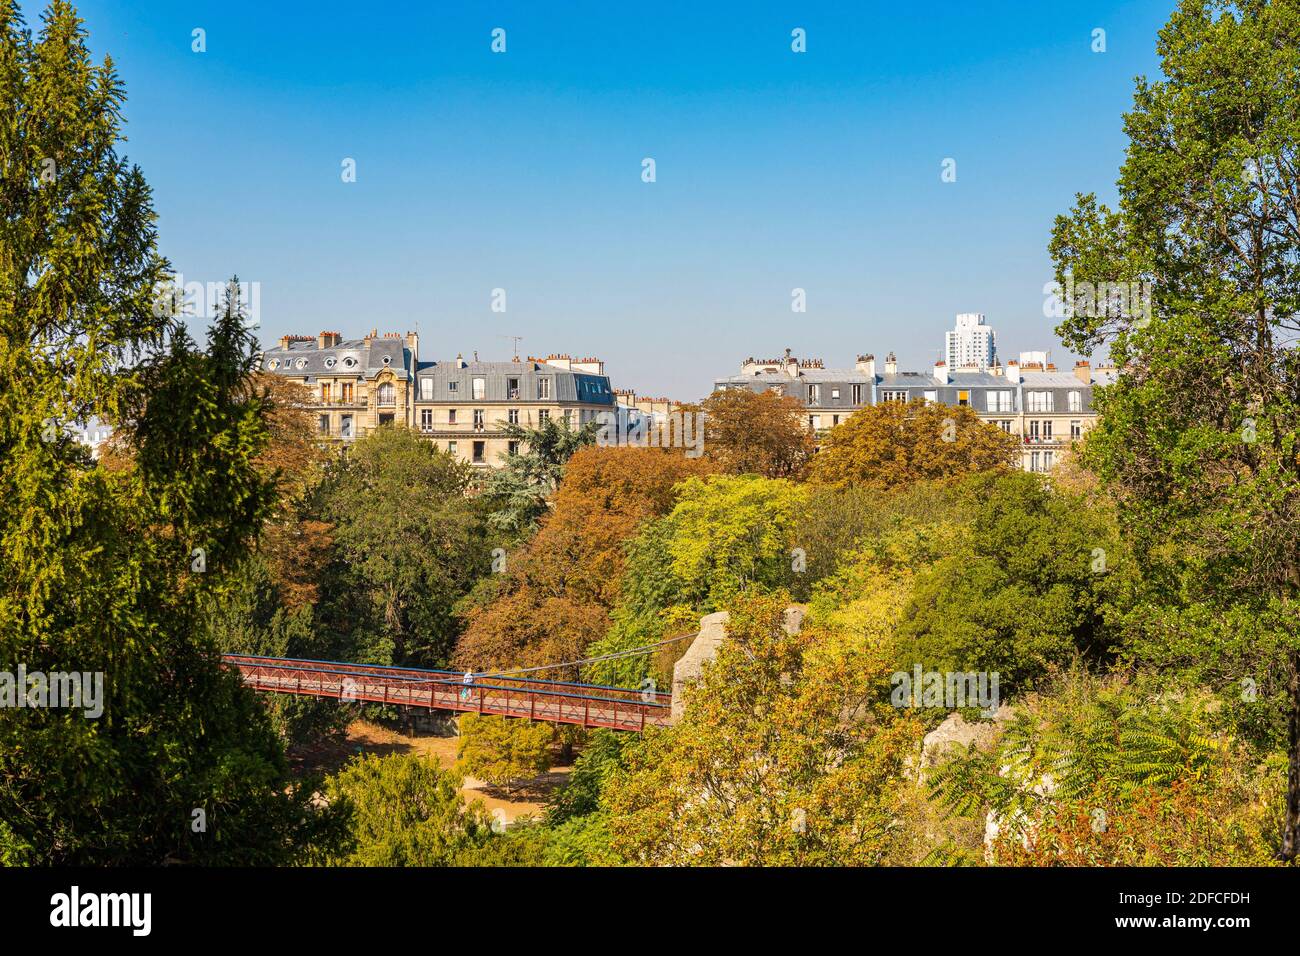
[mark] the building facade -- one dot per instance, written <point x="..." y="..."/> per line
<point x="971" y="343"/>
<point x="463" y="405"/>
<point x="1046" y="409"/>
<point x="827" y="396"/>
<point x="358" y="385"/>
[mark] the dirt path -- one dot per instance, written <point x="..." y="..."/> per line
<point x="364" y="737"/>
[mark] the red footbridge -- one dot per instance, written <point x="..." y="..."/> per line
<point x="557" y="702"/>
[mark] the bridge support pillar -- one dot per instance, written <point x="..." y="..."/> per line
<point x="713" y="631"/>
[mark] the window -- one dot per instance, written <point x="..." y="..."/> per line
<point x="814" y="394"/>
<point x="386" y="418"/>
<point x="835" y="420"/>
<point x="513" y="448"/>
<point x="568" y="417"/>
<point x="1033" y="430"/>
<point x="814" y="422"/>
<point x="1075" y="400"/>
<point x="345" y="426"/>
<point x="931" y="396"/>
<point x="543" y="388"/>
<point x="324" y="426"/>
<point x="1047" y="430"/>
<point x="478" y="419"/>
<point x="1047" y="461"/>
<point x="543" y="416"/>
<point x="512" y="416"/>
<point x="1040" y="402"/>
<point x="324" y="393"/>
<point x="453" y="386"/>
<point x="387" y="394"/>
<point x="890" y="396"/>
<point x="835" y="394"/>
<point x="478" y="452"/>
<point x="478" y="389"/>
<point x="1033" y="461"/>
<point x="512" y="388"/>
<point x="451" y="416"/>
<point x="999" y="400"/>
<point x="963" y="398"/>
<point x="346" y="397"/>
<point x="426" y="419"/>
<point x="426" y="389"/>
<point x="451" y="448"/>
<point x="1076" y="431"/>
<point x="857" y="394"/>
<point x="1005" y="426"/>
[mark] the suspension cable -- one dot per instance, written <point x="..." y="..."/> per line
<point x="630" y="652"/>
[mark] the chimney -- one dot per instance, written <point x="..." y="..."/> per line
<point x="891" y="364"/>
<point x="1013" y="372"/>
<point x="1083" y="371"/>
<point x="284" y="341"/>
<point x="941" y="372"/>
<point x="791" y="365"/>
<point x="866" y="365"/>
<point x="327" y="340"/>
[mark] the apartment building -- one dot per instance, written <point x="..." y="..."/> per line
<point x="1046" y="409"/>
<point x="827" y="396"/>
<point x="356" y="385"/>
<point x="462" y="405"/>
<point x="971" y="343"/>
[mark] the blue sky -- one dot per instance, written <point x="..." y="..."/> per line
<point x="522" y="170"/>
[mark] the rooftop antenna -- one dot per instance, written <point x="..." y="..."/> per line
<point x="517" y="340"/>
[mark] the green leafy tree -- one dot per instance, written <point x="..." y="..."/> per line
<point x="1109" y="773"/>
<point x="408" y="545"/>
<point x="406" y="811"/>
<point x="501" y="750"/>
<point x="103" y="571"/>
<point x="518" y="491"/>
<point x="785" y="755"/>
<point x="1198" y="437"/>
<point x="1029" y="582"/>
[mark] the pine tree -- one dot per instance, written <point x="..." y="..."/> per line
<point x="101" y="571"/>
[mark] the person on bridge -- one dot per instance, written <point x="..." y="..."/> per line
<point x="467" y="680"/>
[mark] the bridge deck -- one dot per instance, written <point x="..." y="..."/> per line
<point x="586" y="705"/>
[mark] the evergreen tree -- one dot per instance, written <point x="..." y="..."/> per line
<point x="102" y="571"/>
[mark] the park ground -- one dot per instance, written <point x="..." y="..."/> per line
<point x="363" y="737"/>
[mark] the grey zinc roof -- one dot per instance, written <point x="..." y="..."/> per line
<point x="567" y="385"/>
<point x="306" y="359"/>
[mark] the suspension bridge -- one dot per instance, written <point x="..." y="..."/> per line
<point x="506" y="694"/>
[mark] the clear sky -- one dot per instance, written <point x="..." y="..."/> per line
<point x="774" y="170"/>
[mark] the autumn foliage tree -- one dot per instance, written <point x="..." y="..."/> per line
<point x="558" y="590"/>
<point x="759" y="433"/>
<point x="894" y="444"/>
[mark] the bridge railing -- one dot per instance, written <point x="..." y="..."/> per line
<point x="618" y="708"/>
